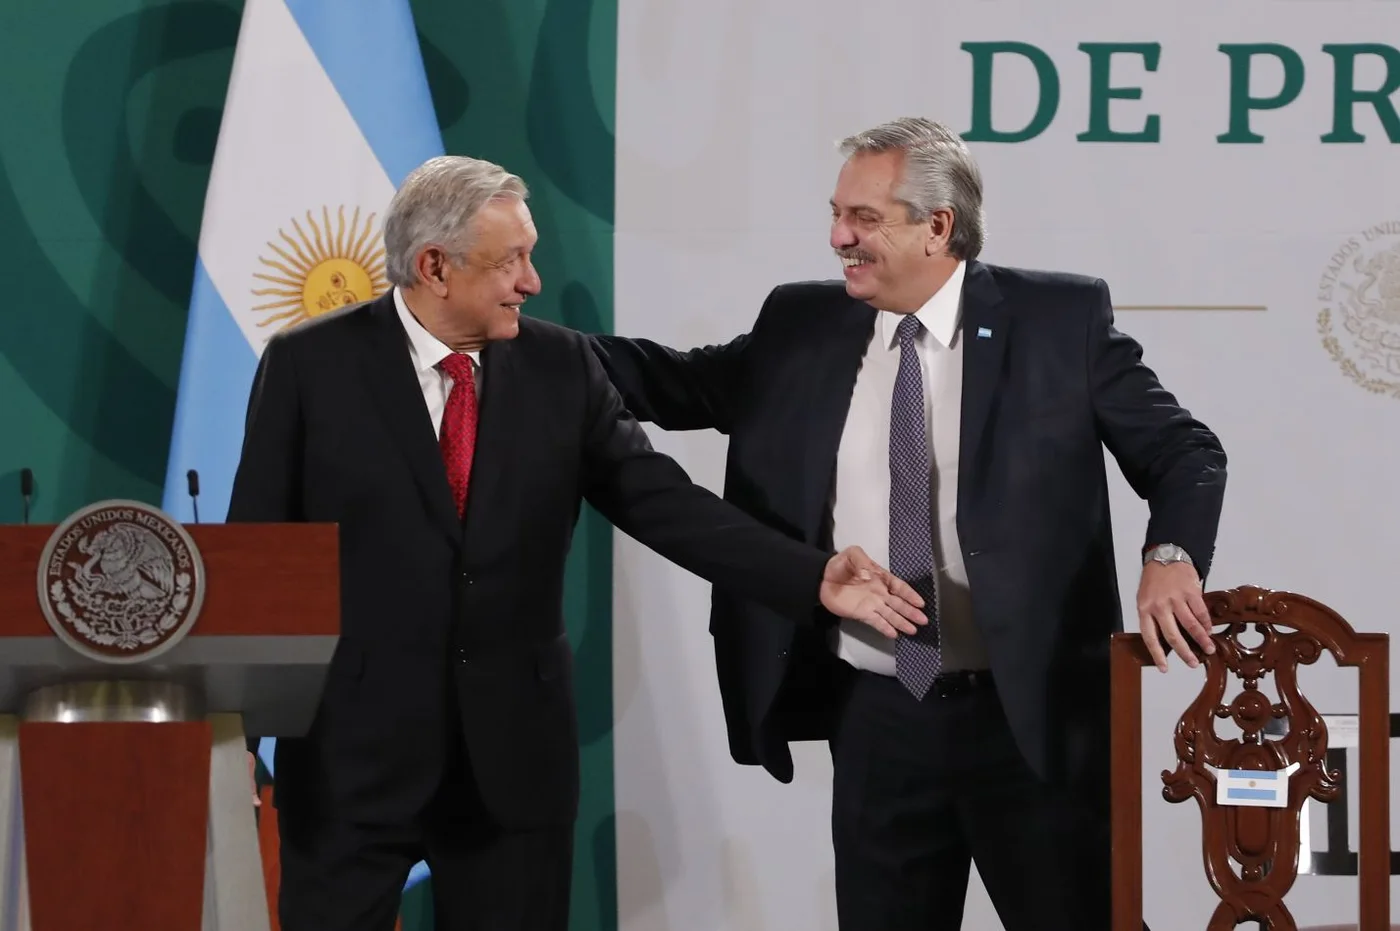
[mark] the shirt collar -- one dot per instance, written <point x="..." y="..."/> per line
<point x="424" y="349"/>
<point x="939" y="315"/>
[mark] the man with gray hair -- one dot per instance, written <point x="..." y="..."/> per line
<point x="453" y="441"/>
<point x="954" y="412"/>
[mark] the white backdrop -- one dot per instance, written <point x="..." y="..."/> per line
<point x="727" y="115"/>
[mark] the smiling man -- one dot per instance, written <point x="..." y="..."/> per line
<point x="453" y="440"/>
<point x="956" y="413"/>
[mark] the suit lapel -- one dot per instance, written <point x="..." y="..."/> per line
<point x="495" y="434"/>
<point x="986" y="330"/>
<point x="395" y="389"/>
<point x="842" y="348"/>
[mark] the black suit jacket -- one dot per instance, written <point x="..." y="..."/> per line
<point x="1048" y="382"/>
<point x="439" y="611"/>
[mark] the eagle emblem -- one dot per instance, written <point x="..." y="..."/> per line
<point x="120" y="581"/>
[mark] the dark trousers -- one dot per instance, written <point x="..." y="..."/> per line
<point x="340" y="876"/>
<point x="924" y="788"/>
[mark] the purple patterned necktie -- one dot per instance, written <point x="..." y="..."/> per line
<point x="918" y="660"/>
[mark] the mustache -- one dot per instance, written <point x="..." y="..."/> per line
<point x="859" y="255"/>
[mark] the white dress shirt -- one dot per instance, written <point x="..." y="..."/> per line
<point x="426" y="351"/>
<point x="861" y="498"/>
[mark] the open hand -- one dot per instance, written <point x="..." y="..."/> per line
<point x="1169" y="601"/>
<point x="857" y="588"/>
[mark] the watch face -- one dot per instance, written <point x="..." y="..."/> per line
<point x="1168" y="553"/>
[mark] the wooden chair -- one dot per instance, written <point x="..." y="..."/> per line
<point x="1251" y="853"/>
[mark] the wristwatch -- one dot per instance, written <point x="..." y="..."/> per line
<point x="1167" y="553"/>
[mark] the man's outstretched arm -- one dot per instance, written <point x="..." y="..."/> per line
<point x="694" y="390"/>
<point x="651" y="498"/>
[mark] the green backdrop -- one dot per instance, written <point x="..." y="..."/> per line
<point x="108" y="124"/>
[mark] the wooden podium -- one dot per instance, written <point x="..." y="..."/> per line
<point x="125" y="797"/>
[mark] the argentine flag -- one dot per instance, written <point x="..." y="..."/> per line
<point x="1253" y="787"/>
<point x="327" y="110"/>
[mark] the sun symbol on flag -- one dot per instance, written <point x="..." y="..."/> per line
<point x="337" y="265"/>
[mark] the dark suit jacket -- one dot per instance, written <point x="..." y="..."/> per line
<point x="437" y="610"/>
<point x="1048" y="382"/>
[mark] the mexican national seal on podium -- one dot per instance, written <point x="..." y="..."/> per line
<point x="120" y="582"/>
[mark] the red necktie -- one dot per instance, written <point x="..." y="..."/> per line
<point x="457" y="437"/>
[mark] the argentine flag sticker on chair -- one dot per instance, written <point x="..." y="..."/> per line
<point x="1253" y="787"/>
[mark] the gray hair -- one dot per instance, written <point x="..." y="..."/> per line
<point x="939" y="173"/>
<point x="435" y="205"/>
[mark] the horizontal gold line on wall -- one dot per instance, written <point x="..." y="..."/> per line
<point x="1189" y="307"/>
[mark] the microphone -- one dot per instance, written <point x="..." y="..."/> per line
<point x="192" y="478"/>
<point x="26" y="489"/>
